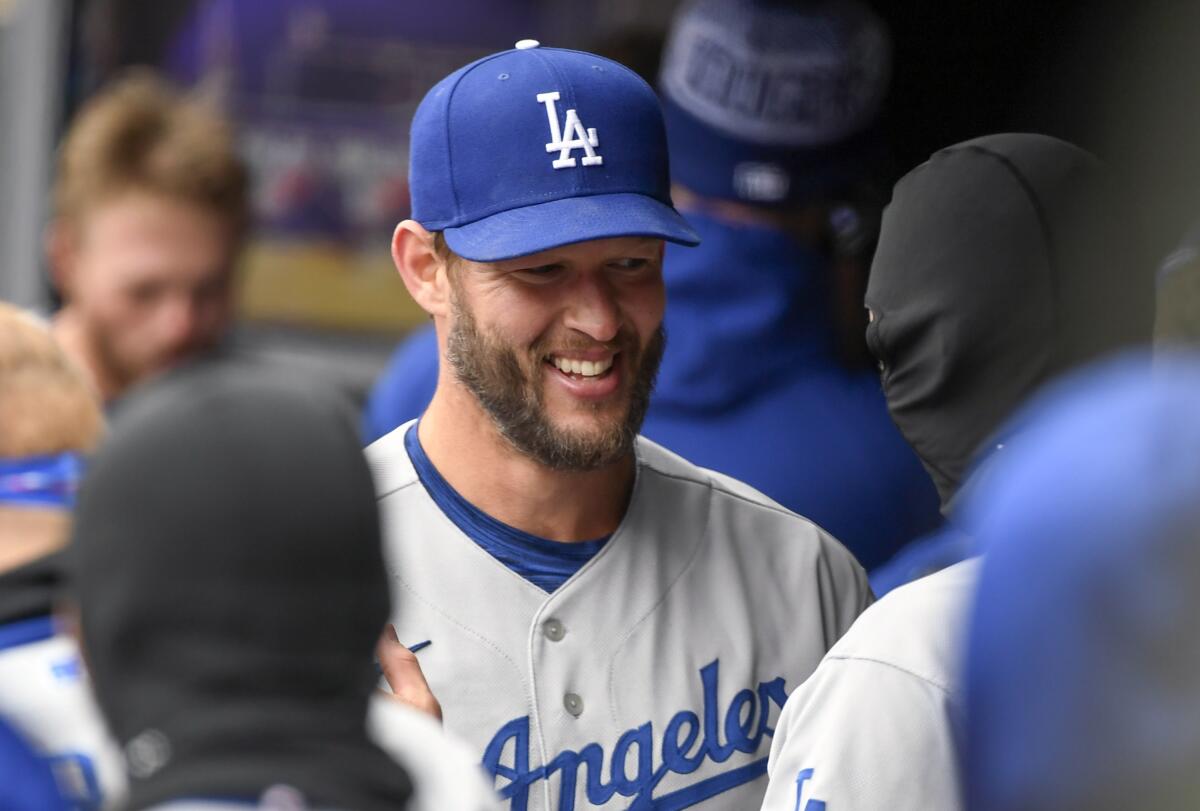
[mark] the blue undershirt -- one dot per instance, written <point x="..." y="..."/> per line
<point x="545" y="563"/>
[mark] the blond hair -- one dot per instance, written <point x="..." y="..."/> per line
<point x="142" y="134"/>
<point x="46" y="406"/>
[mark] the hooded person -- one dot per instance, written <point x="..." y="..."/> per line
<point x="49" y="421"/>
<point x="753" y="383"/>
<point x="1056" y="278"/>
<point x="1003" y="262"/>
<point x="231" y="590"/>
<point x="1083" y="653"/>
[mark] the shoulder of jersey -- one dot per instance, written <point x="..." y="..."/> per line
<point x="388" y="459"/>
<point x="392" y="470"/>
<point x="657" y="459"/>
<point x="917" y="627"/>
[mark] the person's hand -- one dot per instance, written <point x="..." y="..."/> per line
<point x="403" y="674"/>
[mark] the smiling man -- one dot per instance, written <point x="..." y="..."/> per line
<point x="604" y="622"/>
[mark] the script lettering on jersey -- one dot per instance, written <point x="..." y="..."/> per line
<point x="640" y="758"/>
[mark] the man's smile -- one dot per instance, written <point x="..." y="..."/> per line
<point x="591" y="374"/>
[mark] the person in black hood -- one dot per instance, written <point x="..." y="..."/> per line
<point x="1002" y="263"/>
<point x="231" y="588"/>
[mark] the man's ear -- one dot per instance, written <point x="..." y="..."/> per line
<point x="60" y="242"/>
<point x="423" y="272"/>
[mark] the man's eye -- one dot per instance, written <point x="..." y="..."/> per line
<point x="631" y="263"/>
<point x="540" y="273"/>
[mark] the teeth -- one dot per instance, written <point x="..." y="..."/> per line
<point x="584" y="368"/>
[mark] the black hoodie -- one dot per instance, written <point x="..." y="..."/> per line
<point x="231" y="586"/>
<point x="1002" y="261"/>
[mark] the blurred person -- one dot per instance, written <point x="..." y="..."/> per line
<point x="1003" y="262"/>
<point x="49" y="420"/>
<point x="587" y="594"/>
<point x="231" y="589"/>
<point x="1083" y="657"/>
<point x="151" y="204"/>
<point x="752" y="383"/>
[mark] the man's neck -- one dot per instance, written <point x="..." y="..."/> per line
<point x="464" y="445"/>
<point x="69" y="332"/>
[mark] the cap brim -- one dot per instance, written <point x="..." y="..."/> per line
<point x="532" y="229"/>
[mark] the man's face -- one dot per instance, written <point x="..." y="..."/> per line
<point x="150" y="279"/>
<point x="561" y="348"/>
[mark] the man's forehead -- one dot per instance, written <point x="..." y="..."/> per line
<point x="137" y="212"/>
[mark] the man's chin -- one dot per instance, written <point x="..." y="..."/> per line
<point x="591" y="423"/>
<point x="604" y="442"/>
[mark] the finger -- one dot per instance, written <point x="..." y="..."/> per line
<point x="402" y="671"/>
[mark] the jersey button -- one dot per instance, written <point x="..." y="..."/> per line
<point x="574" y="704"/>
<point x="554" y="630"/>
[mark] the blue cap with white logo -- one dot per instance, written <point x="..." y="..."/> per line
<point x="533" y="148"/>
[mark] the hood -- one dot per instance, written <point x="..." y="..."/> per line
<point x="745" y="310"/>
<point x="231" y="585"/>
<point x="1001" y="262"/>
<point x="1082" y="676"/>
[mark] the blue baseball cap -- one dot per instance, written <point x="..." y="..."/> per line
<point x="533" y="148"/>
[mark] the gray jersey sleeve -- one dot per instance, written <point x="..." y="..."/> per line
<point x="863" y="736"/>
<point x="875" y="726"/>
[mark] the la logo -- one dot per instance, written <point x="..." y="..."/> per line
<point x="579" y="137"/>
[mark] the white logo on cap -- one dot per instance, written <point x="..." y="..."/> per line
<point x="580" y="138"/>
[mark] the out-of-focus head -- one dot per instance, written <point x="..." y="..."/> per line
<point x="1083" y="667"/>
<point x="773" y="103"/>
<point x="1002" y="262"/>
<point x="49" y="418"/>
<point x="231" y="586"/>
<point x="151" y="203"/>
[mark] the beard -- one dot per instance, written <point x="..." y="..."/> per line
<point x="513" y="395"/>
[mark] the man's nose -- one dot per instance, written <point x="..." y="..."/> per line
<point x="593" y="308"/>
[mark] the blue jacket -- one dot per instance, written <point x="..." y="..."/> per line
<point x="750" y="386"/>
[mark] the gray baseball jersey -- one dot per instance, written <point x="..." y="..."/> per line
<point x="654" y="676"/>
<point x="45" y="695"/>
<point x="874" y="728"/>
